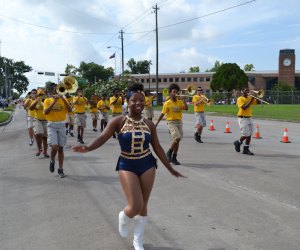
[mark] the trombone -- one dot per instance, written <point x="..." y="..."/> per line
<point x="260" y="94"/>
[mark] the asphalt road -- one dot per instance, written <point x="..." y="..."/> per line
<point x="229" y="200"/>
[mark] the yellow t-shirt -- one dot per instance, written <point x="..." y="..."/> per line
<point x="81" y="104"/>
<point x="70" y="101"/>
<point x="58" y="112"/>
<point x="200" y="106"/>
<point x="101" y="106"/>
<point x="117" y="107"/>
<point x="93" y="109"/>
<point x="39" y="111"/>
<point x="148" y="101"/>
<point x="30" y="113"/>
<point x="243" y="100"/>
<point x="173" y="110"/>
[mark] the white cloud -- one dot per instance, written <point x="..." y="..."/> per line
<point x="252" y="33"/>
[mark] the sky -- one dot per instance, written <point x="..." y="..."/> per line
<point x="47" y="35"/>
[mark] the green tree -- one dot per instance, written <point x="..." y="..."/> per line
<point x="216" y="66"/>
<point x="94" y="72"/>
<point x="249" y="67"/>
<point x="139" y="67"/>
<point x="228" y="77"/>
<point x="194" y="69"/>
<point x="107" y="87"/>
<point x="71" y="70"/>
<point x="16" y="74"/>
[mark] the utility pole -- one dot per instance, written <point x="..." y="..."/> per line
<point x="6" y="81"/>
<point x="122" y="48"/>
<point x="159" y="101"/>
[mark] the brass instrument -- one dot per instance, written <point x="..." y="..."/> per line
<point x="208" y="102"/>
<point x="69" y="85"/>
<point x="260" y="94"/>
<point x="191" y="89"/>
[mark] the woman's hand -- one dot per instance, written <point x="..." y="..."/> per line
<point x="80" y="149"/>
<point x="176" y="173"/>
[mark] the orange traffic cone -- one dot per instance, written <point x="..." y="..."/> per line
<point x="211" y="127"/>
<point x="257" y="134"/>
<point x="227" y="128"/>
<point x="285" y="138"/>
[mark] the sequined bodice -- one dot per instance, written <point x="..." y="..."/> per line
<point x="134" y="138"/>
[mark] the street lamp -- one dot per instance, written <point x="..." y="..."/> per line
<point x="122" y="56"/>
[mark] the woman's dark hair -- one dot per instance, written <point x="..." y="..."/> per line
<point x="134" y="88"/>
<point x="174" y="86"/>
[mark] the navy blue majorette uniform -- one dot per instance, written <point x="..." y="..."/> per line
<point x="134" y="139"/>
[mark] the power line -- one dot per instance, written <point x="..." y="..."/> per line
<point x="49" y="28"/>
<point x="210" y="14"/>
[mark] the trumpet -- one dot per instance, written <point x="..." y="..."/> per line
<point x="208" y="102"/>
<point x="260" y="94"/>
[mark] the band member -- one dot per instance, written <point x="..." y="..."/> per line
<point x="199" y="104"/>
<point x="103" y="106"/>
<point x="56" y="109"/>
<point x="80" y="103"/>
<point x="70" y="119"/>
<point x="30" y="116"/>
<point x="173" y="109"/>
<point x="245" y="104"/>
<point x="116" y="102"/>
<point x="149" y="112"/>
<point x="136" y="164"/>
<point x="40" y="122"/>
<point x="94" y="112"/>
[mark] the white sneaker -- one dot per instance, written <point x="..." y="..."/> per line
<point x="31" y="141"/>
<point x="123" y="229"/>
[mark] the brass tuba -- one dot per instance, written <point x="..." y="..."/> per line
<point x="69" y="85"/>
<point x="191" y="89"/>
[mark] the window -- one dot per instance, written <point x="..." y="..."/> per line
<point x="159" y="79"/>
<point x="165" y="79"/>
<point x="189" y="79"/>
<point x="170" y="79"/>
<point x="153" y="79"/>
<point x="201" y="79"/>
<point x="176" y="79"/>
<point x="182" y="79"/>
<point x="195" y="79"/>
<point x="147" y="79"/>
<point x="207" y="79"/>
<point x="142" y="80"/>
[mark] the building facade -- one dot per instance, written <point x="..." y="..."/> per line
<point x="265" y="80"/>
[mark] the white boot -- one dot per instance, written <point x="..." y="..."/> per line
<point x="140" y="222"/>
<point x="123" y="220"/>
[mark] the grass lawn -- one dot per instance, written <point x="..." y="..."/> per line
<point x="4" y="116"/>
<point x="283" y="112"/>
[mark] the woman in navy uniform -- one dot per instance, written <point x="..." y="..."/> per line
<point x="136" y="164"/>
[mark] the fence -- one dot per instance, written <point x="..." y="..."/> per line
<point x="271" y="96"/>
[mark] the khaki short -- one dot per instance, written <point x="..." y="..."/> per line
<point x="57" y="133"/>
<point x="104" y="116"/>
<point x="29" y="122"/>
<point x="70" y="118"/>
<point x="40" y="127"/>
<point x="200" y="119"/>
<point x="149" y="113"/>
<point x="175" y="128"/>
<point x="80" y="120"/>
<point x="95" y="116"/>
<point x="246" y="126"/>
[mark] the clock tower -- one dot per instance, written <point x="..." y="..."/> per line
<point x="286" y="72"/>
